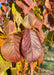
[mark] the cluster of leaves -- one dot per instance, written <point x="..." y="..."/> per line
<point x="21" y="23"/>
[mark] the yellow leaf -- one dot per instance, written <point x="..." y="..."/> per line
<point x="1" y="30"/>
<point x="35" y="64"/>
<point x="19" y="66"/>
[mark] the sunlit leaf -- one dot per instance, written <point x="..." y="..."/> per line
<point x="29" y="20"/>
<point x="4" y="65"/>
<point x="38" y="24"/>
<point x="14" y="71"/>
<point x="1" y="30"/>
<point x="47" y="4"/>
<point x="16" y="15"/>
<point x="1" y="41"/>
<point x="11" y="48"/>
<point x="9" y="27"/>
<point x="31" y="46"/>
<point x="19" y="66"/>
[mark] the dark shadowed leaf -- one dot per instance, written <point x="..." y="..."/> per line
<point x="48" y="20"/>
<point x="23" y="6"/>
<point x="31" y="46"/>
<point x="5" y="8"/>
<point x="9" y="27"/>
<point x="11" y="48"/>
<point x="30" y="3"/>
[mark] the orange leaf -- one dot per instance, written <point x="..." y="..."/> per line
<point x="1" y="41"/>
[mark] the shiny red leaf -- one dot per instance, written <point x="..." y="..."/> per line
<point x="31" y="46"/>
<point x="11" y="48"/>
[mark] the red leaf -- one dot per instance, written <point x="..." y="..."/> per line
<point x="10" y="48"/>
<point x="0" y="21"/>
<point x="41" y="36"/>
<point x="23" y="6"/>
<point x="38" y="24"/>
<point x="1" y="1"/>
<point x="5" y="8"/>
<point x="31" y="46"/>
<point x="29" y="20"/>
<point x="30" y="3"/>
<point x="46" y="21"/>
<point x="9" y="27"/>
<point x="26" y="5"/>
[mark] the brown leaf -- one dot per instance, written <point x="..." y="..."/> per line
<point x="31" y="46"/>
<point x="11" y="48"/>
